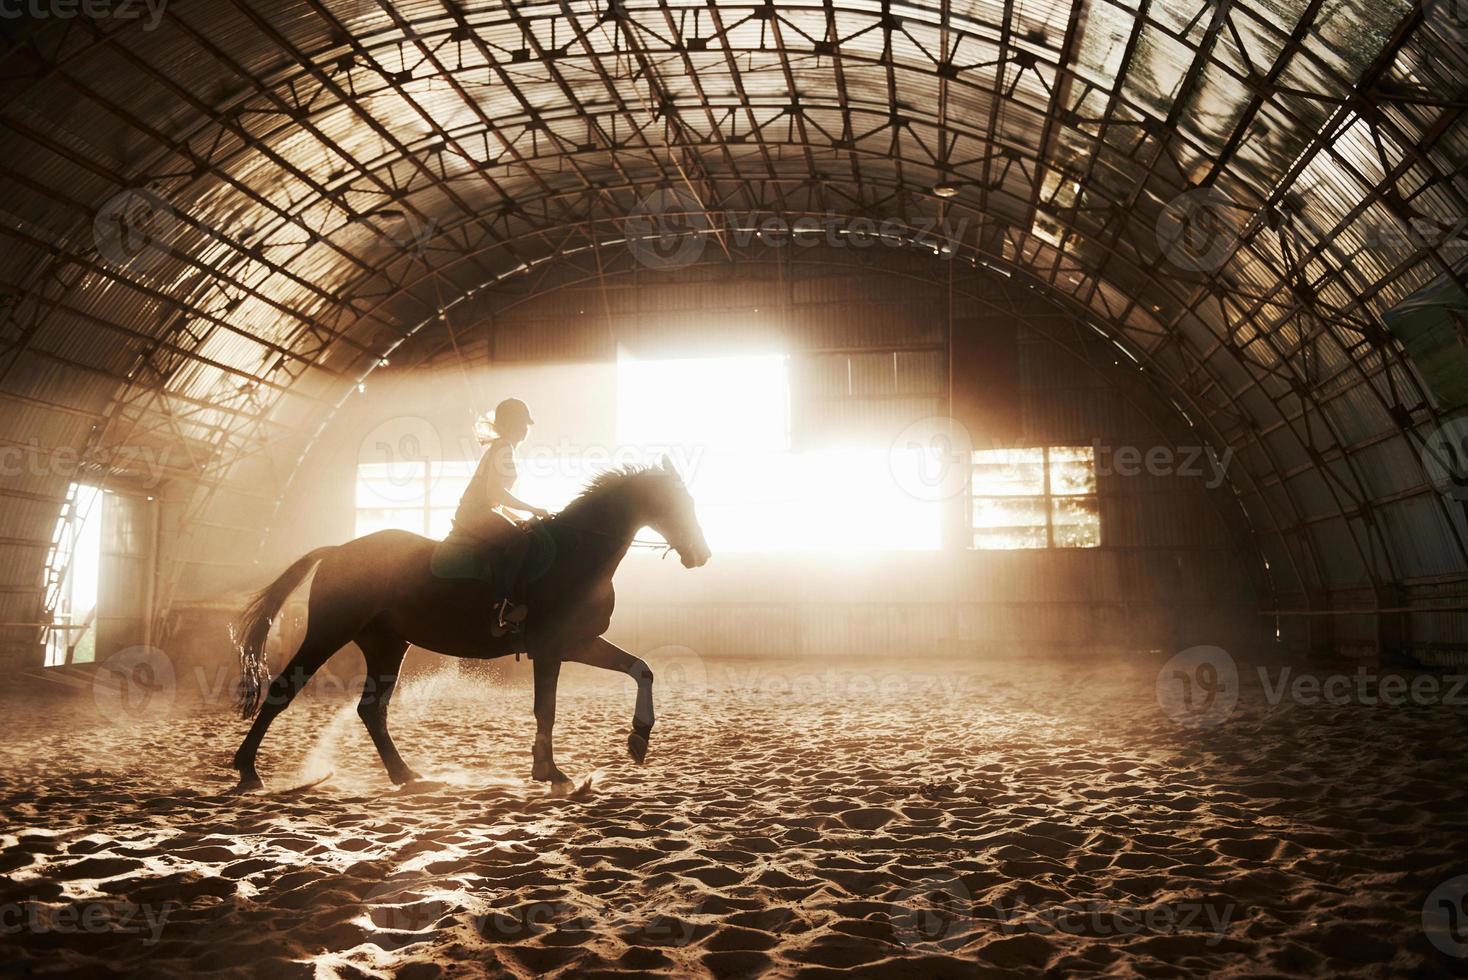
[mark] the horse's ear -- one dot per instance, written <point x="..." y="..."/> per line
<point x="666" y="465"/>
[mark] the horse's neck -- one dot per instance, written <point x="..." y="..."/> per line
<point x="613" y="521"/>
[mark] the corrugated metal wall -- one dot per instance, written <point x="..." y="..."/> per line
<point x="870" y="358"/>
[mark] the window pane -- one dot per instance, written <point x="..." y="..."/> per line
<point x="1072" y="470"/>
<point x="1010" y="539"/>
<point x="440" y="522"/>
<point x="687" y="402"/>
<point x="74" y="576"/>
<point x="1010" y="522"/>
<point x="390" y="484"/>
<point x="448" y="489"/>
<point x="1077" y="522"/>
<point x="1009" y="472"/>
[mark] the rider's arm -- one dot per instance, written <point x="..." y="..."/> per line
<point x="501" y="463"/>
<point x="515" y="503"/>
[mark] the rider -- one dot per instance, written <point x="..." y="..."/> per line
<point x="480" y="522"/>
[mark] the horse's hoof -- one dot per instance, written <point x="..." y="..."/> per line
<point x="249" y="784"/>
<point x="405" y="776"/>
<point x="637" y="747"/>
<point x="548" y="774"/>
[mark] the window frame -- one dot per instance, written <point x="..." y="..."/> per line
<point x="1047" y="498"/>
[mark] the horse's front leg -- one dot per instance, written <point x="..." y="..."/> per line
<point x="547" y="674"/>
<point x="600" y="653"/>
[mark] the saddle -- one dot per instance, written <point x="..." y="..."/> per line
<point x="467" y="557"/>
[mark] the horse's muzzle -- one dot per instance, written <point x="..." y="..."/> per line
<point x="695" y="557"/>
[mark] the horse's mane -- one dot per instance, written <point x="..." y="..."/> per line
<point x="608" y="480"/>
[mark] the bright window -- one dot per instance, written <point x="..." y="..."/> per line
<point x="725" y="422"/>
<point x="73" y="571"/>
<point x="410" y="495"/>
<point x="421" y="496"/>
<point x="718" y="404"/>
<point x="1035" y="498"/>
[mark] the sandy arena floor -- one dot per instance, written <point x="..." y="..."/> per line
<point x="791" y="820"/>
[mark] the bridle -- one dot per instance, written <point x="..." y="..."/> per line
<point x="662" y="546"/>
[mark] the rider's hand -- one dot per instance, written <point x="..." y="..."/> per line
<point x="539" y="512"/>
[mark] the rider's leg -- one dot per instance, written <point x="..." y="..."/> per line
<point x="508" y="556"/>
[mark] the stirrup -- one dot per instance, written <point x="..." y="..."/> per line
<point x="512" y="613"/>
<point x="509" y="616"/>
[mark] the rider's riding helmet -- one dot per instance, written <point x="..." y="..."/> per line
<point x="505" y="414"/>
<point x="512" y="410"/>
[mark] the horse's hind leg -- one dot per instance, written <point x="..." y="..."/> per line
<point x="384" y="655"/>
<point x="322" y="640"/>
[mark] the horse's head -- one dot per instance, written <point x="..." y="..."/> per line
<point x="671" y="514"/>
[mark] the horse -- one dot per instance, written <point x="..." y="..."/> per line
<point x="381" y="592"/>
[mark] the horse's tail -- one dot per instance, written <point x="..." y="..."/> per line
<point x="249" y="632"/>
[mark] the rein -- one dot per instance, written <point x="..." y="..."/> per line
<point x="633" y="543"/>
